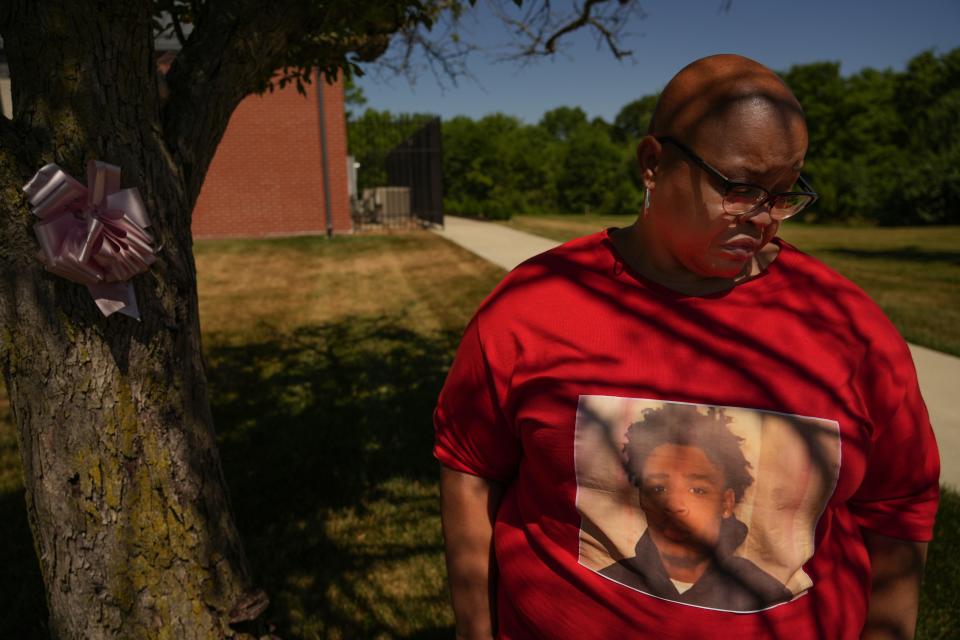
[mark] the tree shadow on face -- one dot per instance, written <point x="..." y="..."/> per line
<point x="326" y="439"/>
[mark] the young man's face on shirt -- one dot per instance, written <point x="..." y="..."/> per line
<point x="684" y="497"/>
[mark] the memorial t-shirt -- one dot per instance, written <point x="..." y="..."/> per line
<point x="573" y="348"/>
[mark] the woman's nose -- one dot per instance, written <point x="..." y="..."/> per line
<point x="761" y="216"/>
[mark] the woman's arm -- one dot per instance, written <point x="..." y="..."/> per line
<point x="468" y="508"/>
<point x="896" y="569"/>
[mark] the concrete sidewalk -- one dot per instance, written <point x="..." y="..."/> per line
<point x="494" y="243"/>
<point x="939" y="373"/>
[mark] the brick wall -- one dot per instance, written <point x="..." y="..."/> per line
<point x="267" y="176"/>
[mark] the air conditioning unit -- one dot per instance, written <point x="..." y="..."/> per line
<point x="392" y="201"/>
<point x="379" y="204"/>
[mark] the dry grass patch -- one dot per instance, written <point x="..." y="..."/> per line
<point x="286" y="283"/>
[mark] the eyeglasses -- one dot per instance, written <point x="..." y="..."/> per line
<point x="741" y="198"/>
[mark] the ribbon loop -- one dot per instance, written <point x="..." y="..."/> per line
<point x="94" y="235"/>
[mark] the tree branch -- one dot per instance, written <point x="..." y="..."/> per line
<point x="218" y="65"/>
<point x="550" y="46"/>
<point x="445" y="53"/>
<point x="540" y="29"/>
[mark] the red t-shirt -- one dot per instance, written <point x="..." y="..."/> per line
<point x="576" y="326"/>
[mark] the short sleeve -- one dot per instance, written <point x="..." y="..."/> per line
<point x="471" y="433"/>
<point x="900" y="492"/>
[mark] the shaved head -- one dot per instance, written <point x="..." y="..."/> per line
<point x="712" y="91"/>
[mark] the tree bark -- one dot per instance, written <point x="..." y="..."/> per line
<point x="124" y="489"/>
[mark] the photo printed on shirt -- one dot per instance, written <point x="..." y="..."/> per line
<point x="709" y="506"/>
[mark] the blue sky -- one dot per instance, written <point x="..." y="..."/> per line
<point x="778" y="33"/>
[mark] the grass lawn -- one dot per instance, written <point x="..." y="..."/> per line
<point x="325" y="359"/>
<point x="912" y="273"/>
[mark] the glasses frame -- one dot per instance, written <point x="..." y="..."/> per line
<point x="729" y="184"/>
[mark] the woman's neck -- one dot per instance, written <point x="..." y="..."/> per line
<point x="652" y="262"/>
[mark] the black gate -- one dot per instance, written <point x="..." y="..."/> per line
<point x="417" y="163"/>
<point x="400" y="183"/>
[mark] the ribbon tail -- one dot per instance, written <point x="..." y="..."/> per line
<point x="112" y="297"/>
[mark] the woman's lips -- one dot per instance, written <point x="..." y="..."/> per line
<point x="740" y="249"/>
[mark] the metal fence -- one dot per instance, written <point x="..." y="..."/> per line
<point x="413" y="193"/>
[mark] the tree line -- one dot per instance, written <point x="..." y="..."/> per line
<point x="884" y="149"/>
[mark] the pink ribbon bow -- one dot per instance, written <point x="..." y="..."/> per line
<point x="93" y="235"/>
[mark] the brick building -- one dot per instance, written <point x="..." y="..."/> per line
<point x="268" y="177"/>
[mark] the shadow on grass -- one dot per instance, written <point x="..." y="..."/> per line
<point x="906" y="254"/>
<point x="326" y="441"/>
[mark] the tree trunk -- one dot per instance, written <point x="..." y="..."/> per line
<point x="125" y="494"/>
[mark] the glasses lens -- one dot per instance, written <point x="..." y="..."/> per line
<point x="742" y="198"/>
<point x="787" y="205"/>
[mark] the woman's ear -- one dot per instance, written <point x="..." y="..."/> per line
<point x="648" y="159"/>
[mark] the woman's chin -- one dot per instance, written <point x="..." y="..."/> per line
<point x="722" y="267"/>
